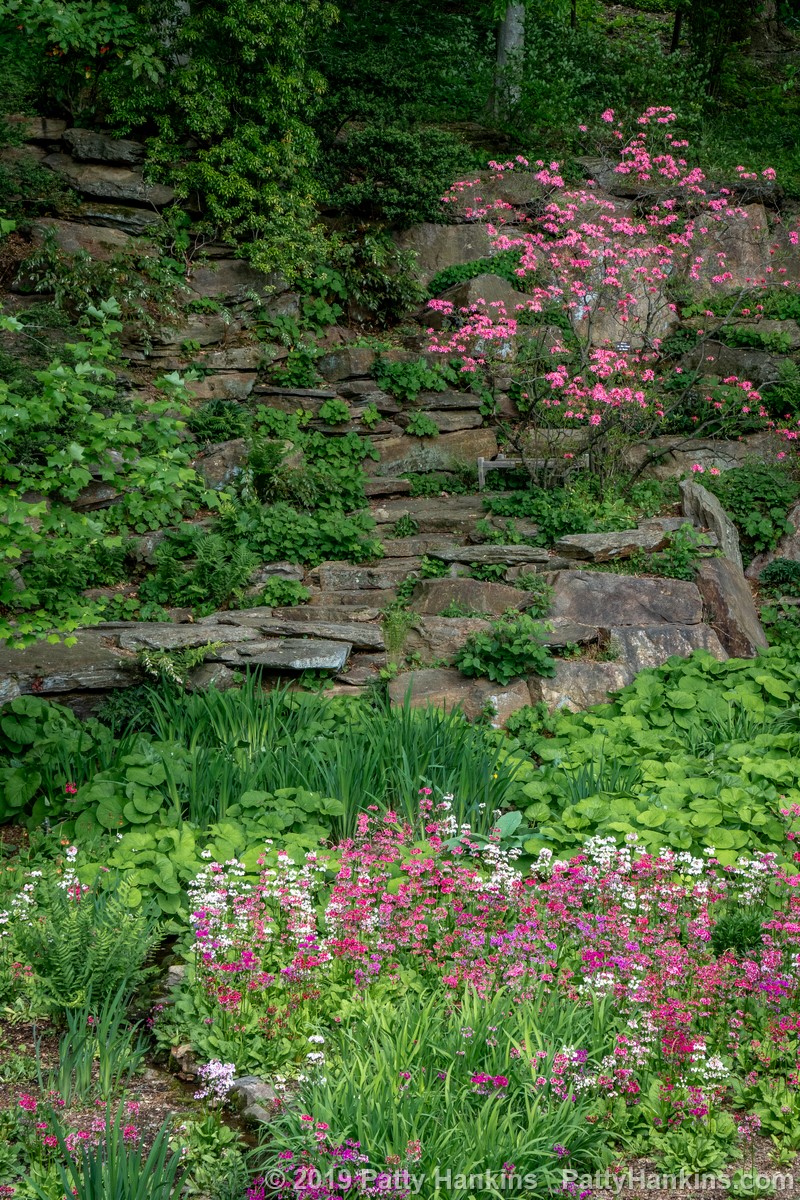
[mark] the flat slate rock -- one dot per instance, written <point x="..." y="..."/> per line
<point x="449" y="515"/>
<point x="432" y="596"/>
<point x="349" y="598"/>
<point x="93" y="663"/>
<point x="651" y="647"/>
<point x="163" y="635"/>
<point x="109" y="183"/>
<point x="386" y="487"/>
<point x="447" y="400"/>
<point x="289" y="654"/>
<point x="600" y="599"/>
<point x="360" y="635"/>
<point x="446" y="421"/>
<point x="336" y="576"/>
<point x="605" y="547"/>
<point x="337" y="613"/>
<point x="409" y="547"/>
<point x="490" y="554"/>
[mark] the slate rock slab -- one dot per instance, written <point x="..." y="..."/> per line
<point x="359" y="634"/>
<point x="605" y="547"/>
<point x="730" y="608"/>
<point x="336" y="576"/>
<point x="490" y="554"/>
<point x="93" y="663"/>
<point x="600" y="599"/>
<point x="289" y="654"/>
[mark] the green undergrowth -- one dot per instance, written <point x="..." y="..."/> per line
<point x="227" y="772"/>
<point x="697" y="753"/>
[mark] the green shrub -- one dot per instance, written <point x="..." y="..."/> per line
<point x="758" y="498"/>
<point x="334" y="412"/>
<point x="781" y="577"/>
<point x="419" y="424"/>
<point x="395" y="174"/>
<point x="405" y="380"/>
<point x="505" y="265"/>
<point x="71" y="431"/>
<point x="695" y="754"/>
<point x="512" y="647"/>
<point x="283" y="593"/>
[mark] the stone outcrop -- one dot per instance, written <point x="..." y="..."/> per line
<point x="595" y="598"/>
<point x="705" y="510"/>
<point x="729" y="604"/>
<point x="446" y="688"/>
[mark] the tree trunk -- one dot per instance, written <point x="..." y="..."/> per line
<point x="510" y="46"/>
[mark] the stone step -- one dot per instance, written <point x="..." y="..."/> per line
<point x="445" y="422"/>
<point x="335" y="576"/>
<point x="287" y="654"/>
<point x="606" y="547"/>
<point x="489" y="554"/>
<point x="360" y="635"/>
<point x="409" y="547"/>
<point x="386" y="487"/>
<point x="358" y="613"/>
<point x="348" y="598"/>
<point x="453" y="515"/>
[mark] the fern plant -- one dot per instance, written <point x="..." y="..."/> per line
<point x="85" y="944"/>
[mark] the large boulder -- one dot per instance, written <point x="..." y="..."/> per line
<point x="440" y="246"/>
<point x="651" y="647"/>
<point x="580" y="683"/>
<point x="438" y="638"/>
<point x="704" y="509"/>
<point x="74" y="237"/>
<point x="446" y="688"/>
<point x="603" y="600"/>
<point x="346" y="362"/>
<point x="233" y="280"/>
<point x="735" y="250"/>
<point x="730" y="608"/>
<point x="483" y="289"/>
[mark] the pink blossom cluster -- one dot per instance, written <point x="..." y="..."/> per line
<point x="607" y="265"/>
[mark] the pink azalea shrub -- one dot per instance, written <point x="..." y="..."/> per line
<point x="612" y="268"/>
